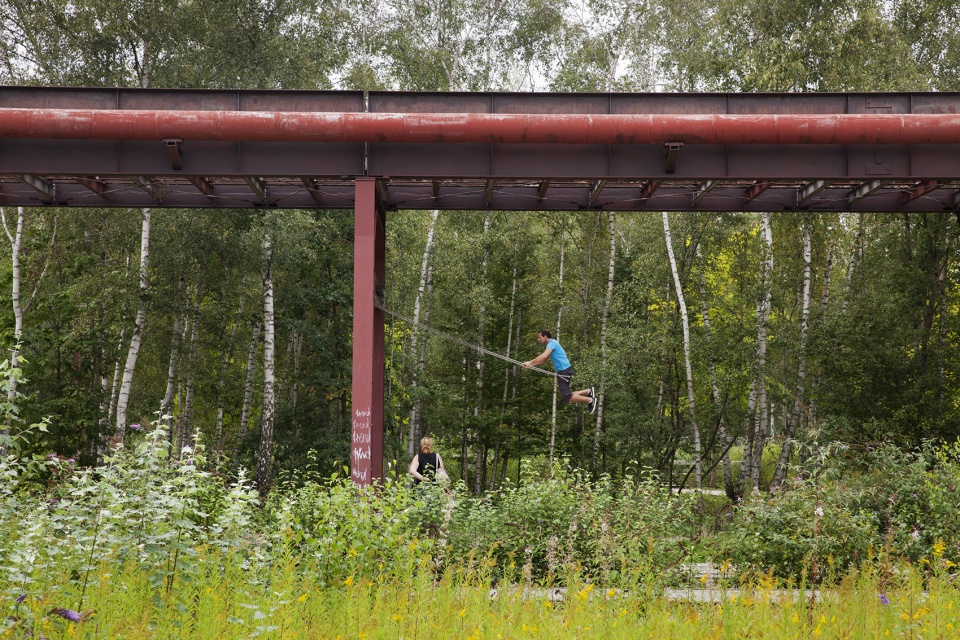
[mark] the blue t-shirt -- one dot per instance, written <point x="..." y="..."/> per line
<point x="558" y="356"/>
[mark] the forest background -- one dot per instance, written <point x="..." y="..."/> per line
<point x="804" y="328"/>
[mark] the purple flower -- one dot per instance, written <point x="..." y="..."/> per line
<point x="135" y="427"/>
<point x="21" y="598"/>
<point x="914" y="495"/>
<point x="884" y="599"/>
<point x="71" y="460"/>
<point x="53" y="456"/>
<point x="68" y="614"/>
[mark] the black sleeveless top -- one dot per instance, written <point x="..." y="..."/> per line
<point x="426" y="465"/>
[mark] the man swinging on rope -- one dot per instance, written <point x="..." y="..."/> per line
<point x="558" y="357"/>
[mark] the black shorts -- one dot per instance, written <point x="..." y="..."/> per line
<point x="563" y="383"/>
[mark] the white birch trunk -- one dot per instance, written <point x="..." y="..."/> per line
<point x="763" y="319"/>
<point x="167" y="405"/>
<point x="265" y="454"/>
<point x="685" y="321"/>
<point x="608" y="299"/>
<point x="124" y="396"/>
<point x="15" y="243"/>
<point x="795" y="416"/>
<point x="553" y="414"/>
<point x="186" y="434"/>
<point x="479" y="466"/>
<point x="413" y="427"/>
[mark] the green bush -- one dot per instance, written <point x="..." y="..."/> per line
<point x="847" y="504"/>
<point x="540" y="529"/>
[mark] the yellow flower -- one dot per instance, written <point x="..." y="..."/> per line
<point x="939" y="547"/>
<point x="703" y="579"/>
<point x="463" y="612"/>
<point x="352" y="552"/>
<point x="397" y="617"/>
<point x="348" y="582"/>
<point x="548" y="604"/>
<point x="611" y="593"/>
<point x="302" y="598"/>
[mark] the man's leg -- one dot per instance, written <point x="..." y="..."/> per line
<point x="581" y="396"/>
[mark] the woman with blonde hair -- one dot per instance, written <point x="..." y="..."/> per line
<point x="427" y="463"/>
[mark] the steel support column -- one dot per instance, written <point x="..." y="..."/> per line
<point x="366" y="451"/>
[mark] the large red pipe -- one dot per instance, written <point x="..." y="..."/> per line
<point x="235" y="126"/>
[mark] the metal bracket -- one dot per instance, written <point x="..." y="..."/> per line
<point x="810" y="190"/>
<point x="673" y="149"/>
<point x="595" y="190"/>
<point x="258" y="187"/>
<point x="175" y="151"/>
<point x="38" y="184"/>
<point x="703" y="189"/>
<point x="311" y="186"/>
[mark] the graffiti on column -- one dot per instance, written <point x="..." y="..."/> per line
<point x="360" y="448"/>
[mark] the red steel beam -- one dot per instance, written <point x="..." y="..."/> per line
<point x="369" y="270"/>
<point x="275" y="126"/>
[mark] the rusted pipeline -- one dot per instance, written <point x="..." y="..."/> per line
<point x="233" y="126"/>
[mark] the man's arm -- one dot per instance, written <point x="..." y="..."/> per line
<point x="539" y="360"/>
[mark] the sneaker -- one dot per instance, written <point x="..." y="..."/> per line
<point x="592" y="394"/>
<point x="593" y="406"/>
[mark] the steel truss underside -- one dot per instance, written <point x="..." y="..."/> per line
<point x="520" y="177"/>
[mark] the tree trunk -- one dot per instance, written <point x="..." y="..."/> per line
<point x="603" y="338"/>
<point x="227" y="356"/>
<point x="415" y="411"/>
<point x="248" y="385"/>
<point x="798" y="401"/>
<point x="15" y="244"/>
<point x="265" y="454"/>
<point x="855" y="252"/>
<point x="684" y="319"/>
<point x="167" y="405"/>
<point x="138" y="326"/>
<point x="715" y="388"/>
<point x="553" y="414"/>
<point x="480" y="462"/>
<point x="763" y="319"/>
<point x="186" y="433"/>
<point x="507" y="371"/>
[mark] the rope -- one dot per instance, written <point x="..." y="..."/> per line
<point x="463" y="343"/>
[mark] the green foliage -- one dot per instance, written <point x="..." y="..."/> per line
<point x="850" y="504"/>
<point x="612" y="531"/>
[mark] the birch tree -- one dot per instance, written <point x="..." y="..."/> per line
<point x="265" y="452"/>
<point x="608" y="298"/>
<point x="139" y="324"/>
<point x="799" y="397"/>
<point x="691" y="397"/>
<point x="415" y="347"/>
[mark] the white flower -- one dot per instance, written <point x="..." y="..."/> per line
<point x="915" y="535"/>
<point x="818" y="511"/>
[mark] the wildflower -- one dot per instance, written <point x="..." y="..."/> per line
<point x="348" y="582"/>
<point x="68" y="614"/>
<point x="397" y="617"/>
<point x="71" y="460"/>
<point x="135" y="427"/>
<point x="21" y="598"/>
<point x="915" y="535"/>
<point x="818" y="511"/>
<point x="884" y="599"/>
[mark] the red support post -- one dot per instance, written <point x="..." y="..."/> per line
<point x="366" y="448"/>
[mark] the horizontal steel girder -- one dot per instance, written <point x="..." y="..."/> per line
<point x="480" y="151"/>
